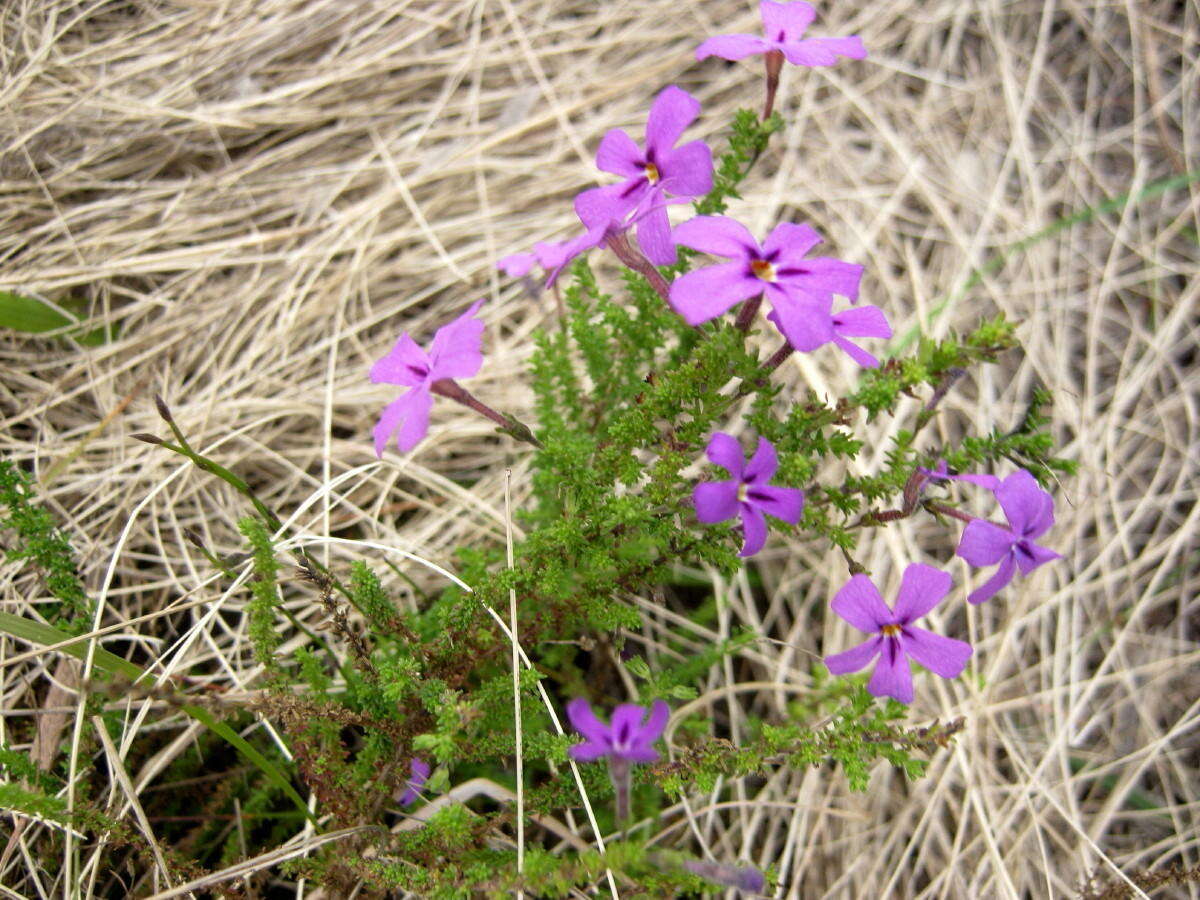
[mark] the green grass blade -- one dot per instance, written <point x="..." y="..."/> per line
<point x="111" y="664"/>
<point x="33" y="316"/>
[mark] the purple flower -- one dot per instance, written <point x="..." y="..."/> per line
<point x="859" y="603"/>
<point x="661" y="169"/>
<point x="454" y="353"/>
<point x="747" y="493"/>
<point x="1030" y="513"/>
<point x="800" y="290"/>
<point x="630" y="738"/>
<point x="783" y="23"/>
<point x="743" y="878"/>
<point x="420" y="774"/>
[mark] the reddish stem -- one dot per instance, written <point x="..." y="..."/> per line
<point x="774" y="62"/>
<point x="778" y="357"/>
<point x="634" y="259"/>
<point x="747" y="313"/>
<point x="451" y="389"/>
<point x="950" y="511"/>
<point x="618" y="770"/>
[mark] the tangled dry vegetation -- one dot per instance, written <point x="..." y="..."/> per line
<point x="260" y="194"/>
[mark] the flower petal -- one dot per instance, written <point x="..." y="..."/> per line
<point x="413" y="404"/>
<point x="993" y="586"/>
<point x="1020" y="497"/>
<point x="604" y="206"/>
<point x="1028" y="508"/>
<point x="715" y="501"/>
<point x="455" y="351"/>
<point x="416" y="423"/>
<point x="856" y="353"/>
<point x="823" y="51"/>
<point x="516" y="265"/>
<point x="862" y="321"/>
<point x="626" y="722"/>
<point x="732" y="46"/>
<point x="419" y="770"/>
<point x="654" y="237"/>
<point x="593" y="237"/>
<point x="718" y="236"/>
<point x="941" y="655"/>
<point x="1030" y="555"/>
<point x="783" y="21"/>
<point x="724" y="450"/>
<point x="688" y="171"/>
<point x="754" y="530"/>
<point x="656" y="721"/>
<point x="674" y="109"/>
<point x="921" y="589"/>
<point x="588" y="751"/>
<point x="806" y="325"/>
<point x="579" y="711"/>
<point x="892" y="676"/>
<point x="405" y="364"/>
<point x="822" y="275"/>
<point x="763" y="464"/>
<point x="641" y="753"/>
<point x="619" y="155"/>
<point x="991" y="482"/>
<point x="859" y="603"/>
<point x="781" y="502"/>
<point x="790" y="242"/>
<point x="708" y="292"/>
<point x="984" y="543"/>
<point x="551" y="256"/>
<point x="855" y="658"/>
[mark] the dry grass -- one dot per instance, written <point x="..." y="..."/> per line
<point x="262" y="193"/>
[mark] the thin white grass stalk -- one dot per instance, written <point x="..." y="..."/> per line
<point x="70" y="850"/>
<point x="516" y="675"/>
<point x="117" y="766"/>
<point x="260" y="862"/>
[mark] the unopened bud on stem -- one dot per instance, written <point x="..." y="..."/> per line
<point x="163" y="410"/>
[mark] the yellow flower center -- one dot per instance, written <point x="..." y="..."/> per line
<point x="651" y="173"/>
<point x="741" y="494"/>
<point x="890" y="630"/>
<point x="763" y="269"/>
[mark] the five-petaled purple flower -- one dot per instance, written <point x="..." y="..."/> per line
<point x="783" y="24"/>
<point x="630" y="738"/>
<point x="860" y="604"/>
<point x="454" y="353"/>
<point x="800" y="290"/>
<point x="419" y="770"/>
<point x="1030" y="513"/>
<point x="747" y="493"/>
<point x="661" y="169"/>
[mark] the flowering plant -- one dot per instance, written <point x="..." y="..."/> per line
<point x="620" y="529"/>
